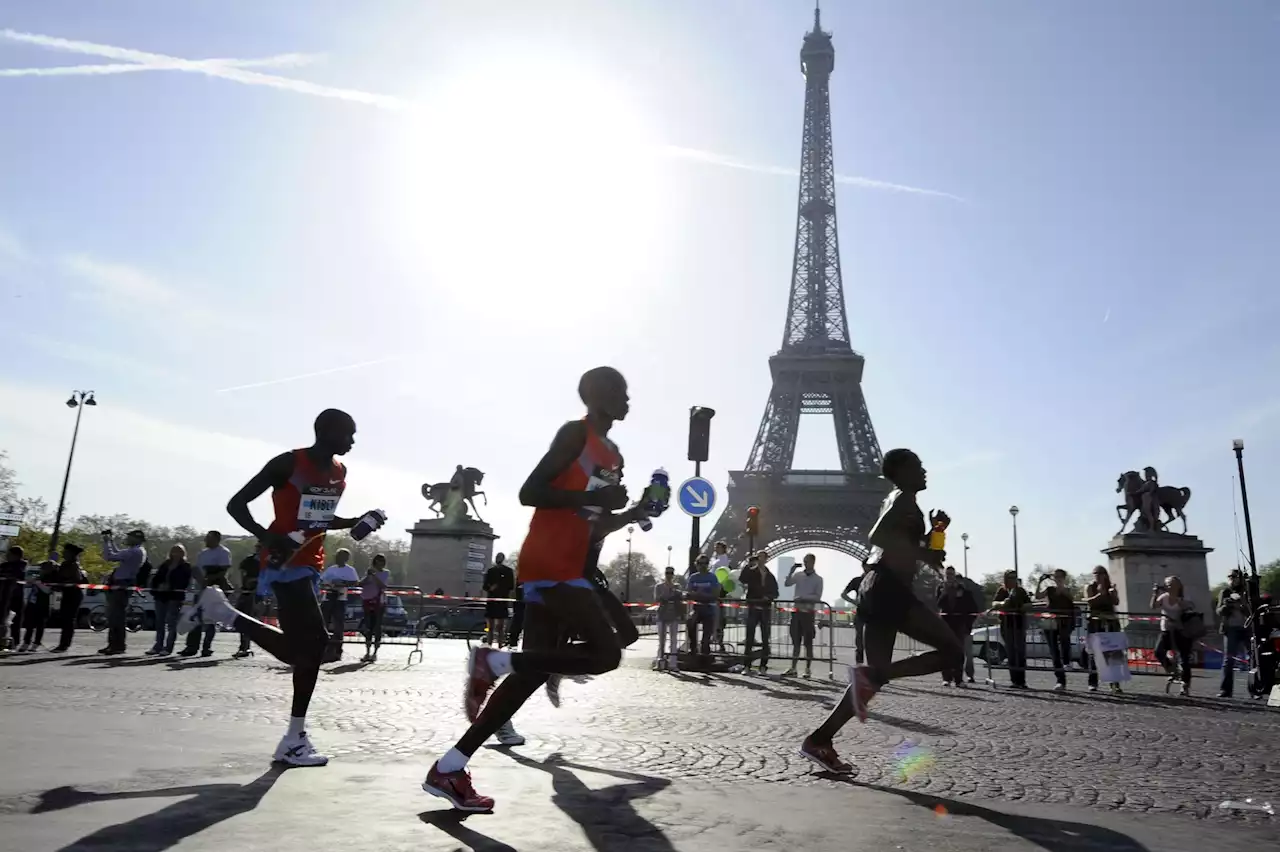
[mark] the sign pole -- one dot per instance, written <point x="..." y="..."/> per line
<point x="695" y="540"/>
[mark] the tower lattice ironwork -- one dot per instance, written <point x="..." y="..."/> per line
<point x="815" y="372"/>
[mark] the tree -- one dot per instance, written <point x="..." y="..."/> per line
<point x="1269" y="579"/>
<point x="644" y="576"/>
<point x="990" y="583"/>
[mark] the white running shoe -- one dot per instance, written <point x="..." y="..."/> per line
<point x="297" y="750"/>
<point x="210" y="608"/>
<point x="507" y="735"/>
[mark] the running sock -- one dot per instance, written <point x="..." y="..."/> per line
<point x="500" y="662"/>
<point x="297" y="724"/>
<point x="453" y="761"/>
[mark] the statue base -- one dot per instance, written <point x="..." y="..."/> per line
<point x="450" y="557"/>
<point x="1138" y="561"/>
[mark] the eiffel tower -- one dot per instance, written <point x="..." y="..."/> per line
<point x="815" y="372"/>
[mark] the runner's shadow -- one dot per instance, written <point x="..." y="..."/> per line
<point x="1053" y="835"/>
<point x="207" y="805"/>
<point x="607" y="816"/>
<point x="909" y="725"/>
<point x="450" y="822"/>
<point x="347" y="668"/>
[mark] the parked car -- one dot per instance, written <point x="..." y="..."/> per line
<point x="465" y="620"/>
<point x="988" y="645"/>
<point x="395" y="620"/>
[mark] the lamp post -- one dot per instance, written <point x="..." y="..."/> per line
<point x="1238" y="446"/>
<point x="668" y="556"/>
<point x="1013" y="512"/>
<point x="626" y="594"/>
<point x="964" y="537"/>
<point x="78" y="400"/>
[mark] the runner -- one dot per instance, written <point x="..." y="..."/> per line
<point x="575" y="490"/>
<point x="306" y="486"/>
<point x="890" y="607"/>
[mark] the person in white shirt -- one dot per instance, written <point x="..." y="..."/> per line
<point x="807" y="595"/>
<point x="209" y="569"/>
<point x="335" y="579"/>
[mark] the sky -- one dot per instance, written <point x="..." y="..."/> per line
<point x="1056" y="224"/>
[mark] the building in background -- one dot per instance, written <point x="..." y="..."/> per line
<point x="782" y="570"/>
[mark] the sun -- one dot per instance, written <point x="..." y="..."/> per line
<point x="526" y="185"/>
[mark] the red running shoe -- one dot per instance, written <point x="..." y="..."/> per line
<point x="825" y="756"/>
<point x="480" y="681"/>
<point x="456" y="788"/>
<point x="861" y="690"/>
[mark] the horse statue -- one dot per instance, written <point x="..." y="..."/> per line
<point x="450" y="499"/>
<point x="1149" y="498"/>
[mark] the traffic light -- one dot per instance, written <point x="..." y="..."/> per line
<point x="753" y="521"/>
<point x="700" y="432"/>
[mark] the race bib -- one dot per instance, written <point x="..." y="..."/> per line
<point x="315" y="511"/>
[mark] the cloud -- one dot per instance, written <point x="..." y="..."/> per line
<point x="236" y="71"/>
<point x="285" y="60"/>
<point x="211" y="68"/>
<point x="725" y="161"/>
<point x="116" y="281"/>
<point x="99" y="359"/>
<point x="11" y="248"/>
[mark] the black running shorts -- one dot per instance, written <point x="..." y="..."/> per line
<point x="883" y="598"/>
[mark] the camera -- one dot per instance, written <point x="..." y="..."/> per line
<point x="105" y="533"/>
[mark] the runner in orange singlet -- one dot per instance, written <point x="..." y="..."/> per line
<point x="305" y="488"/>
<point x="575" y="491"/>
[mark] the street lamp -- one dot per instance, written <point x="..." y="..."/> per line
<point x="626" y="594"/>
<point x="668" y="556"/>
<point x="79" y="399"/>
<point x="964" y="537"/>
<point x="1013" y="511"/>
<point x="1238" y="446"/>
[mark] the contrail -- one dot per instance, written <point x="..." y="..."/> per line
<point x="714" y="159"/>
<point x="226" y="72"/>
<point x="287" y="60"/>
<point x="236" y="71"/>
<point x="310" y="375"/>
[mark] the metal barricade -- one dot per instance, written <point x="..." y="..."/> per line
<point x="991" y="644"/>
<point x="728" y="646"/>
<point x="394" y="624"/>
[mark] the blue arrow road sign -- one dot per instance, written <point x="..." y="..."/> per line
<point x="697" y="497"/>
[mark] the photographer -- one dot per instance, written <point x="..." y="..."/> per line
<point x="1168" y="597"/>
<point x="1233" y="617"/>
<point x="129" y="560"/>
<point x="1058" y="629"/>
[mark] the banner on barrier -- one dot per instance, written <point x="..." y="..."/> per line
<point x="1110" y="653"/>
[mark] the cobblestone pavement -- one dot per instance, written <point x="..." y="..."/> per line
<point x="1143" y="752"/>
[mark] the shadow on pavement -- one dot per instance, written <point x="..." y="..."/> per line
<point x="450" y="822"/>
<point x="606" y="816"/>
<point x="1054" y="835"/>
<point x="910" y="725"/>
<point x="169" y="826"/>
<point x="347" y="668"/>
<point x="809" y="695"/>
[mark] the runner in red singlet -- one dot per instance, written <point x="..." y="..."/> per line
<point x="575" y="491"/>
<point x="306" y="486"/>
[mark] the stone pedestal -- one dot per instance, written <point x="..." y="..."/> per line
<point x="1140" y="560"/>
<point x="452" y="557"/>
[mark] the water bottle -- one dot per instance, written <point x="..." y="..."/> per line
<point x="657" y="497"/>
<point x="370" y="522"/>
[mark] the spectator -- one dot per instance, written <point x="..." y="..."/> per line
<point x="168" y="589"/>
<point x="1233" y="616"/>
<point x="335" y="579"/>
<point x="517" y="617"/>
<point x="1170" y="598"/>
<point x="850" y="594"/>
<point x="1102" y="599"/>
<point x="13" y="572"/>
<point x="1011" y="601"/>
<point x="720" y="556"/>
<point x="373" y="600"/>
<point x="129" y="560"/>
<point x="807" y="596"/>
<point x="247" y="600"/>
<point x="959" y="609"/>
<point x="704" y="590"/>
<point x="499" y="582"/>
<point x="210" y="569"/>
<point x="760" y="588"/>
<point x="670" y="613"/>
<point x="35" y="612"/>
<point x="68" y="575"/>
<point x="1059" y="627"/>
